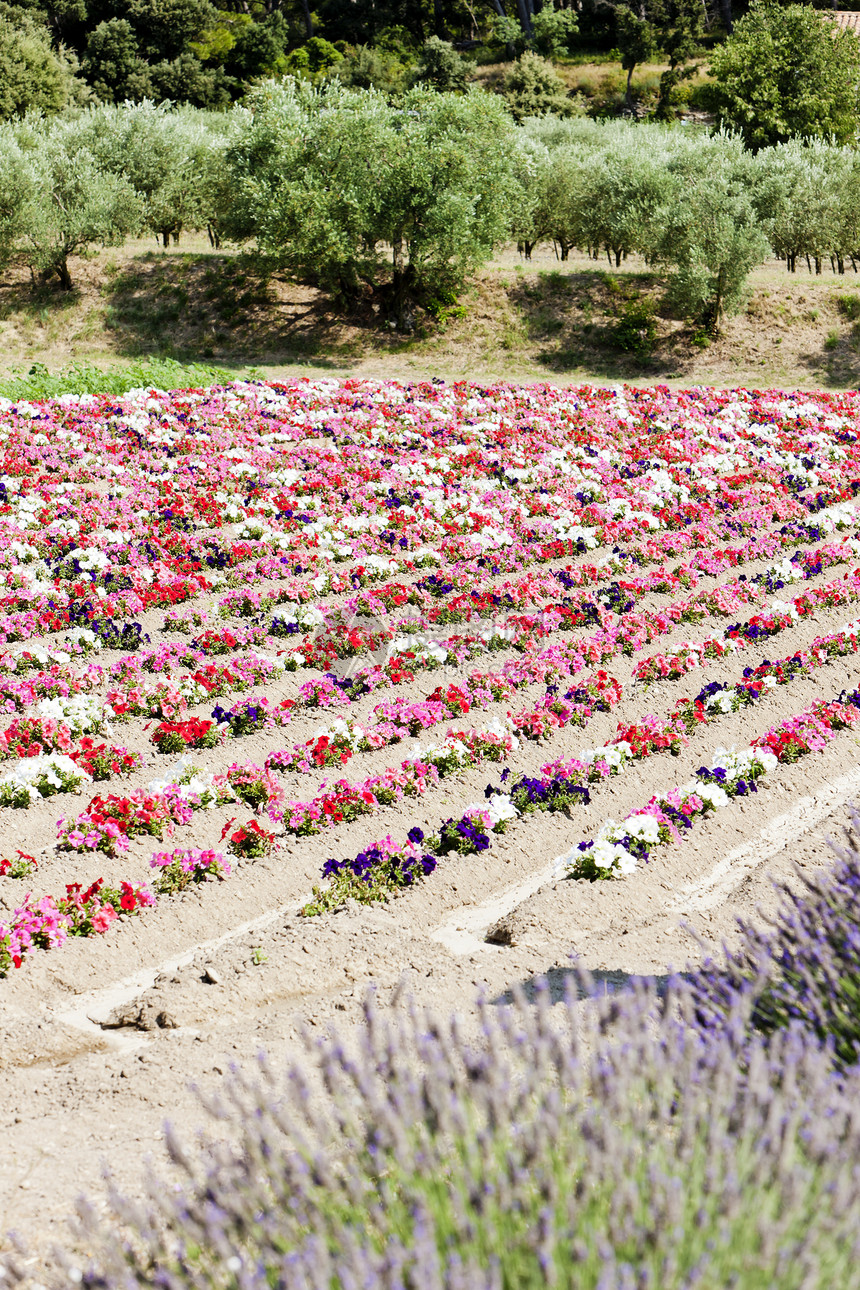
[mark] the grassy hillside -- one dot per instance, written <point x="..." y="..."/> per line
<point x="544" y="320"/>
<point x="601" y="82"/>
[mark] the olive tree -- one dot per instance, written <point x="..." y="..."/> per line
<point x="533" y="166"/>
<point x="563" y="199"/>
<point x="625" y="190"/>
<point x="16" y="192"/>
<point x="73" y="203"/>
<point x="166" y="154"/>
<point x="797" y="193"/>
<point x="709" y="236"/>
<point x="393" y="204"/>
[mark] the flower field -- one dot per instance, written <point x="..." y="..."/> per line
<point x="237" y="617"/>
<point x="392" y="662"/>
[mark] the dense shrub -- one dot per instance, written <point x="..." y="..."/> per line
<point x="806" y="969"/>
<point x="636" y="330"/>
<point x="33" y="75"/>
<point x="367" y="68"/>
<point x="316" y="58"/>
<point x="442" y="67"/>
<point x="534" y="88"/>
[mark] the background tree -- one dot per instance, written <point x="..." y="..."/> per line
<point x="636" y="36"/>
<point x="244" y="49"/>
<point x="547" y="32"/>
<point x="33" y="75"/>
<point x="649" y="29"/>
<point x="553" y="30"/>
<point x="113" y="64"/>
<point x="533" y="87"/>
<point x="367" y="68"/>
<point x="680" y="25"/>
<point x="785" y="72"/>
<point x="189" y="51"/>
<point x="441" y="67"/>
<point x="315" y="58"/>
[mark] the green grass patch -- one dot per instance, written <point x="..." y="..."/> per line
<point x="86" y="378"/>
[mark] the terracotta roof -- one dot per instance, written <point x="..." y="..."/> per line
<point x="845" y="19"/>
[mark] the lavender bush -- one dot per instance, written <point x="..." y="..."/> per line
<point x="603" y="1145"/>
<point x="805" y="968"/>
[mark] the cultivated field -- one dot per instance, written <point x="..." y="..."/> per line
<point x="310" y="686"/>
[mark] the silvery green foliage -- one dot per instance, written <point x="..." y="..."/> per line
<point x="375" y="202"/>
<point x="72" y="201"/>
<point x="16" y="192"/>
<point x="806" y="195"/>
<point x="600" y="1145"/>
<point x="698" y="204"/>
<point x="710" y="237"/>
<point x="172" y="157"/>
<point x="682" y="202"/>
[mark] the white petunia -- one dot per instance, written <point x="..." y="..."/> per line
<point x="644" y="827"/>
<point x="501" y="808"/>
<point x="713" y="795"/>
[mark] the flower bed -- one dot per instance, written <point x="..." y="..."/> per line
<point x="379" y="561"/>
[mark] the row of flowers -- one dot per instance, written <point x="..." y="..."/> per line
<point x="384" y="867"/>
<point x="39" y="774"/>
<point x="171" y="697"/>
<point x="398" y="718"/>
<point x="56" y="618"/>
<point x="343" y="802"/>
<point x="47" y="923"/>
<point x="661" y="579"/>
<point x="617" y="849"/>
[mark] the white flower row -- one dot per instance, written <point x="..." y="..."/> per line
<point x="82" y="713"/>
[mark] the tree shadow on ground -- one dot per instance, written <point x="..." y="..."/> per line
<point x="223" y="308"/>
<point x="563" y="983"/>
<point x="37" y="301"/>
<point x="577" y="321"/>
<point x="836" y="363"/>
